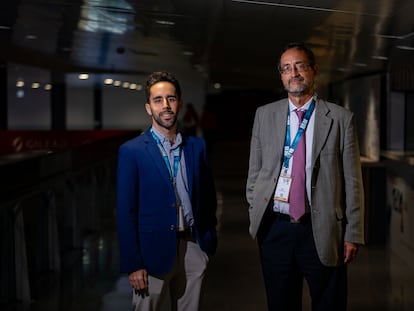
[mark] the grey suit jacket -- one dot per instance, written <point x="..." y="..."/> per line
<point x="337" y="196"/>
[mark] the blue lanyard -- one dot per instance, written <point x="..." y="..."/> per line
<point x="177" y="156"/>
<point x="289" y="149"/>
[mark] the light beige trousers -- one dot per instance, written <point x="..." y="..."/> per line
<point x="180" y="289"/>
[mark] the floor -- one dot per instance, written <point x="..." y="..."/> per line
<point x="378" y="279"/>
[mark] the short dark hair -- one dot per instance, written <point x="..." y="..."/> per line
<point x="301" y="47"/>
<point x="162" y="76"/>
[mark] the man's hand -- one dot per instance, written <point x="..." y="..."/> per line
<point x="139" y="280"/>
<point x="350" y="251"/>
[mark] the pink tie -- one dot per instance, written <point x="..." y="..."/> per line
<point x="298" y="191"/>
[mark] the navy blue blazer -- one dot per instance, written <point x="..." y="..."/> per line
<point x="146" y="204"/>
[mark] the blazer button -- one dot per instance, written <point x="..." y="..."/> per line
<point x="172" y="228"/>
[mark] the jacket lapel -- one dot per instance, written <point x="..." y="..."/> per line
<point x="279" y="115"/>
<point x="321" y="130"/>
<point x="188" y="152"/>
<point x="156" y="156"/>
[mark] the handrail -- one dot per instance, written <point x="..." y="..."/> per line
<point x="25" y="173"/>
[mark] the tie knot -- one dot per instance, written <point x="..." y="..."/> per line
<point x="300" y="114"/>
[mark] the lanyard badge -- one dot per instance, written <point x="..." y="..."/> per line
<point x="285" y="181"/>
<point x="173" y="177"/>
<point x="177" y="157"/>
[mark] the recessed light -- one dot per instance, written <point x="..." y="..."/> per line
<point x="83" y="76"/>
<point x="31" y="37"/>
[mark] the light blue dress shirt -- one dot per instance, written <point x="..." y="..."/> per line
<point x="181" y="181"/>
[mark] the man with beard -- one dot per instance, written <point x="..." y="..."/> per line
<point x="304" y="189"/>
<point x="166" y="209"/>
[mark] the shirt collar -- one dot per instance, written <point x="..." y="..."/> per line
<point x="292" y="107"/>
<point x="165" y="141"/>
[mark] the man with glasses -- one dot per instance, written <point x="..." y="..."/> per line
<point x="166" y="209"/>
<point x="304" y="189"/>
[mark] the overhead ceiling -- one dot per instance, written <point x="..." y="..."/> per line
<point x="232" y="42"/>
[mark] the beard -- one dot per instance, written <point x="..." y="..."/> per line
<point x="300" y="88"/>
<point x="166" y="123"/>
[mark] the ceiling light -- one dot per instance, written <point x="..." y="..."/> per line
<point x="400" y="37"/>
<point x="83" y="76"/>
<point x="31" y="37"/>
<point x="360" y="64"/>
<point x="117" y="83"/>
<point x="48" y="87"/>
<point x="95" y="16"/>
<point x="125" y="85"/>
<point x="20" y="83"/>
<point x="387" y="36"/>
<point x="108" y="81"/>
<point x="343" y="69"/>
<point x="35" y="85"/>
<point x="5" y="27"/>
<point x="378" y="57"/>
<point x="405" y="47"/>
<point x="20" y="93"/>
<point x="165" y="22"/>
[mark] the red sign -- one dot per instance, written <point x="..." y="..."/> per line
<point x="21" y="141"/>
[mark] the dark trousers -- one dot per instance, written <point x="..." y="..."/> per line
<point x="288" y="255"/>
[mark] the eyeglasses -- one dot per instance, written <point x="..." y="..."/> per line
<point x="300" y="67"/>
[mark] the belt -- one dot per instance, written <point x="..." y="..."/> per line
<point x="187" y="234"/>
<point x="305" y="219"/>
